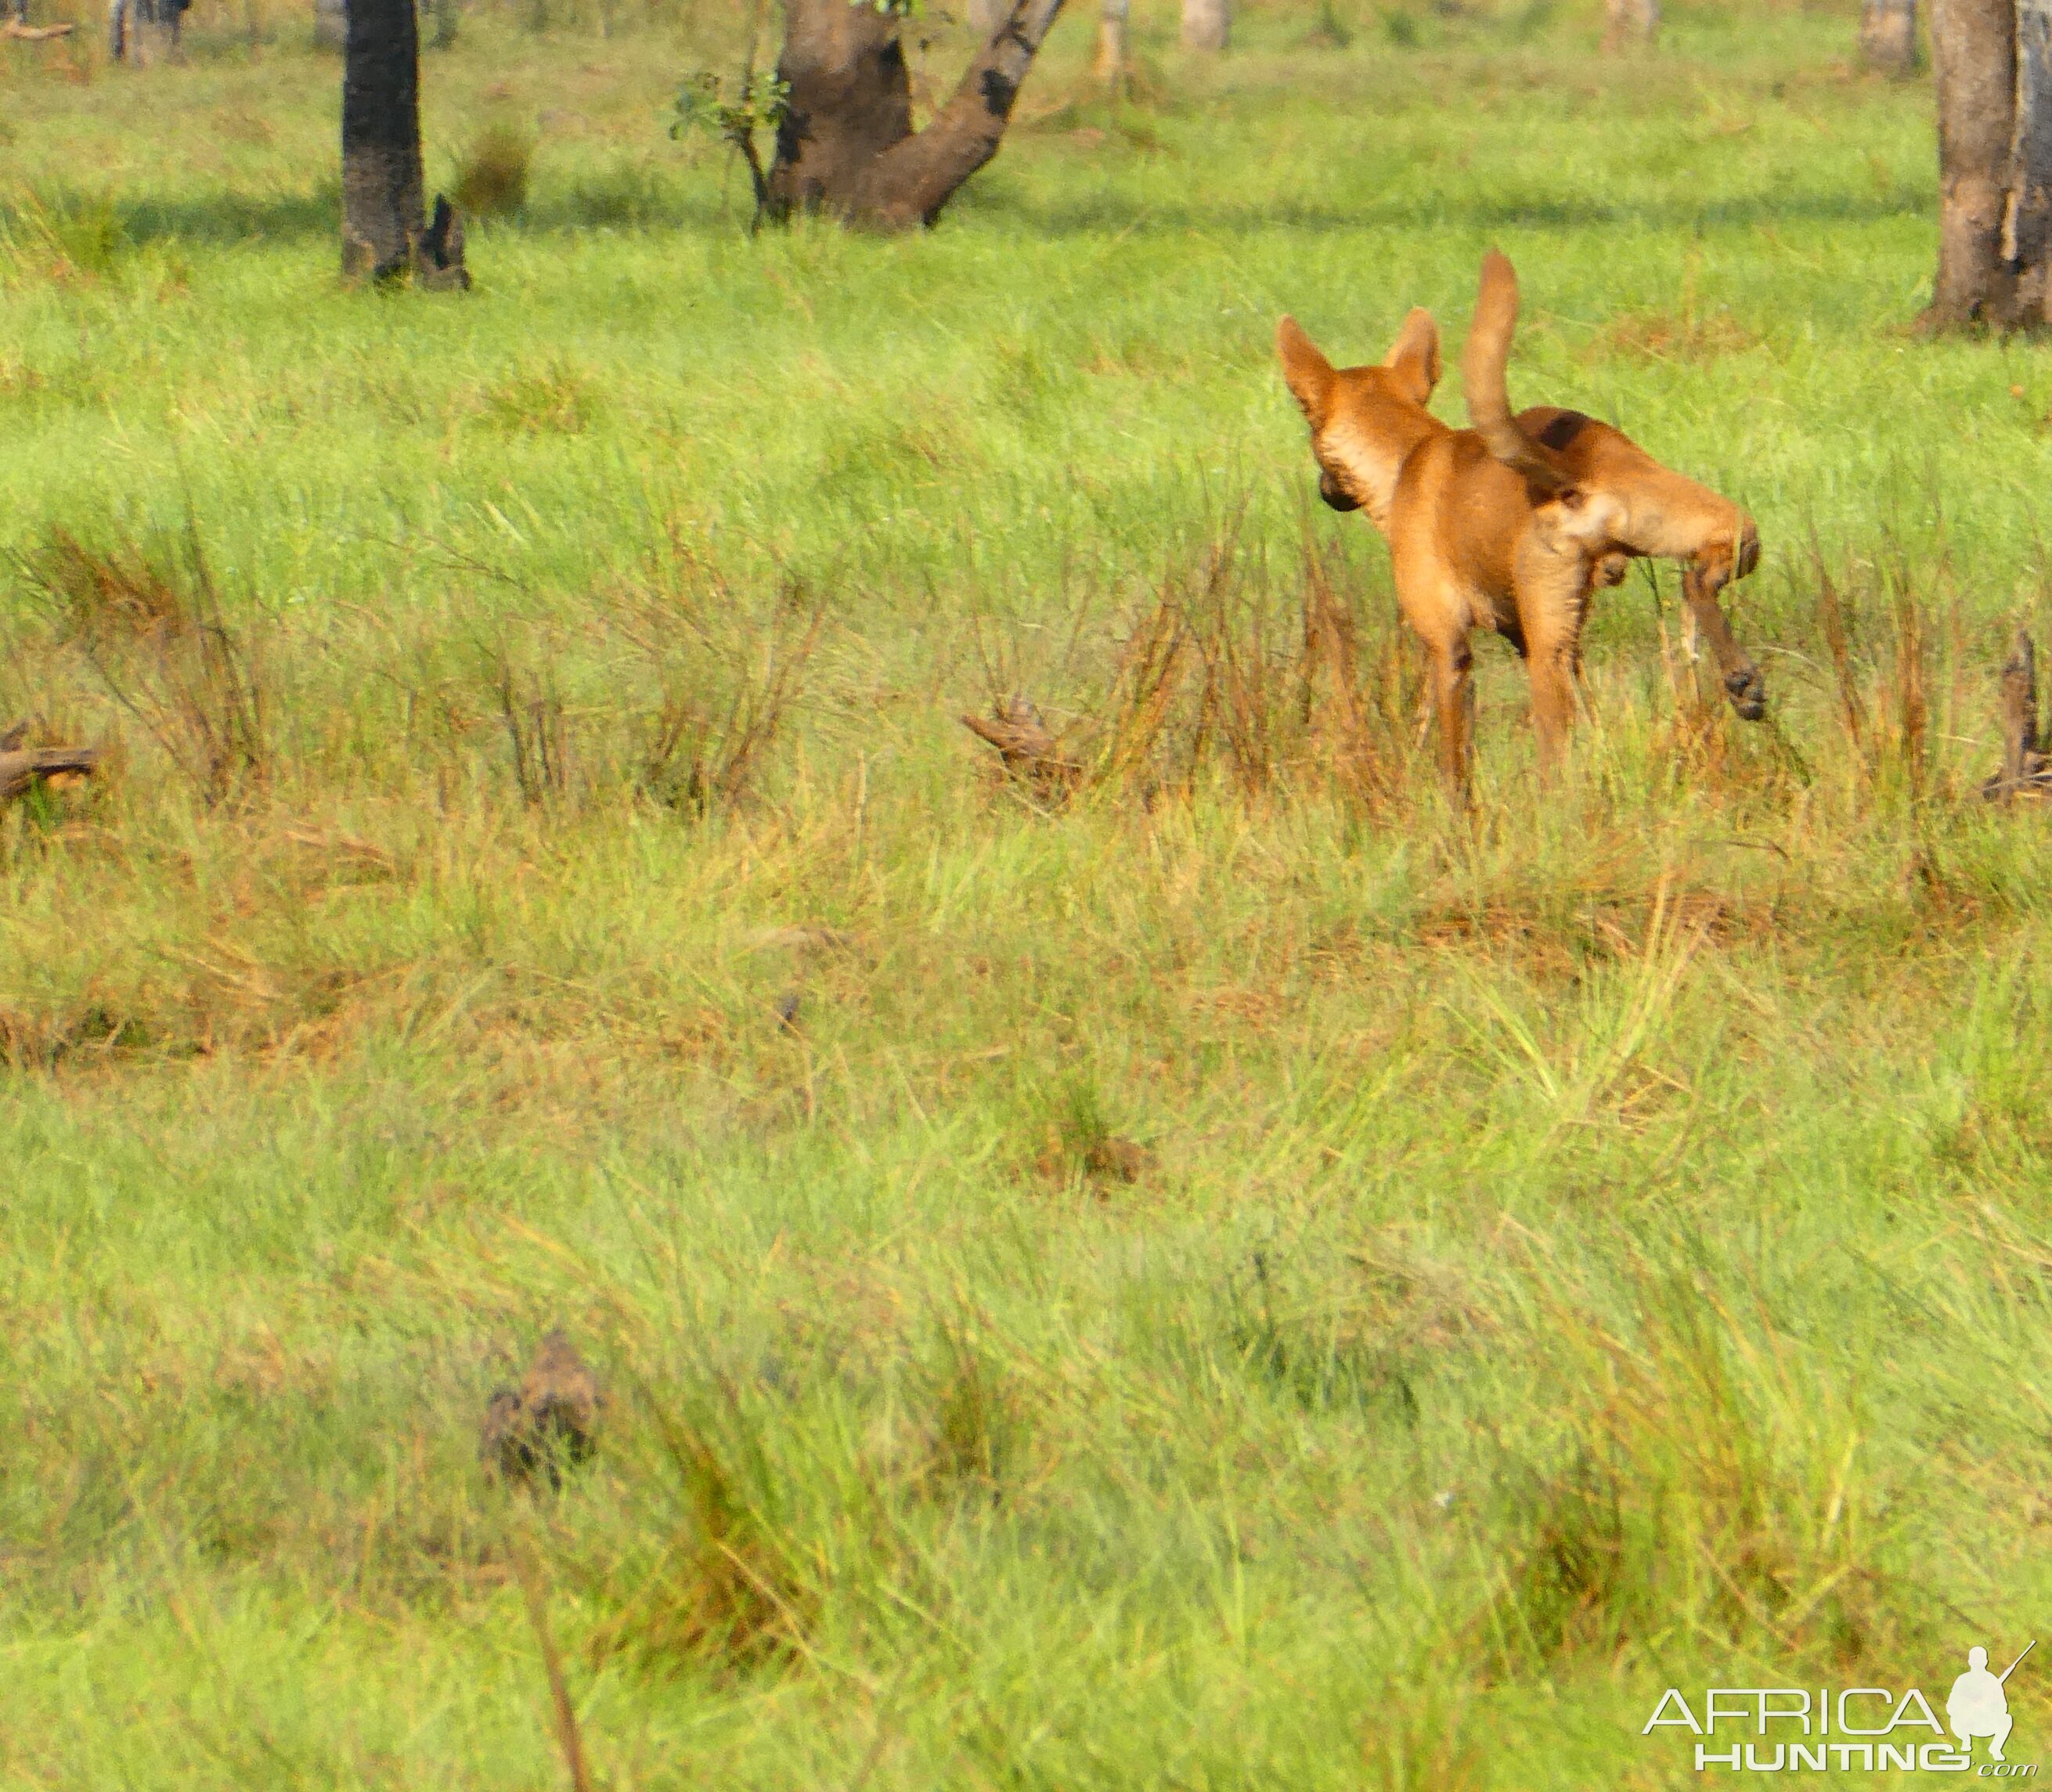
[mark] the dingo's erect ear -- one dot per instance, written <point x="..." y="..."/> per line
<point x="1414" y="356"/>
<point x="1309" y="374"/>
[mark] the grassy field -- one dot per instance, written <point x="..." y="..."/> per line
<point x="1230" y="1275"/>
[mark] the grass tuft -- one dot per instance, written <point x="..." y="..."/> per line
<point x="154" y="632"/>
<point x="555" y="398"/>
<point x="1712" y="1493"/>
<point x="76" y="237"/>
<point x="976" y="1432"/>
<point x="492" y="178"/>
<point x="733" y="1589"/>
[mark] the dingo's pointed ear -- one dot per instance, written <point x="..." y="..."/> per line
<point x="1309" y="374"/>
<point x="1415" y="356"/>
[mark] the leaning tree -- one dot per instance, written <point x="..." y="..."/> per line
<point x="845" y="143"/>
<point x="1993" y="59"/>
<point x="385" y="234"/>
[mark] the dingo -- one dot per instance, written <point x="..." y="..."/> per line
<point x="1513" y="524"/>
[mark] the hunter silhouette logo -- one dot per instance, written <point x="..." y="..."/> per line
<point x="1979" y="1707"/>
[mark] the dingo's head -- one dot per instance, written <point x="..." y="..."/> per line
<point x="1364" y="419"/>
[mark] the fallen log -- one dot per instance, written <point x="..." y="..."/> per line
<point x="34" y="33"/>
<point x="22" y="767"/>
<point x="1026" y="747"/>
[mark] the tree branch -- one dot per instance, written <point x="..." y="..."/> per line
<point x="909" y="183"/>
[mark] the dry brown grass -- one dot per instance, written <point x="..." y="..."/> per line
<point x="153" y="630"/>
<point x="707" y="747"/>
<point x="1557" y="936"/>
<point x="1222" y="670"/>
<point x="1691" y="332"/>
<point x="1665" y="336"/>
<point x="1880" y="651"/>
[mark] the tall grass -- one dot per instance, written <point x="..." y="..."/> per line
<point x="1164" y="1256"/>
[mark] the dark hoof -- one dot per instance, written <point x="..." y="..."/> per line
<point x="1747" y="691"/>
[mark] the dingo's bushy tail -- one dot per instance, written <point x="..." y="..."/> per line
<point x="1483" y="369"/>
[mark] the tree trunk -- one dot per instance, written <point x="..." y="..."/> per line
<point x="1973" y="52"/>
<point x="141" y="32"/>
<point x="383" y="231"/>
<point x="985" y="16"/>
<point x="1111" y="21"/>
<point x="1630" y="24"/>
<point x="1206" y="24"/>
<point x="383" y="203"/>
<point x="1888" y="37"/>
<point x="2027" y="229"/>
<point x="846" y="145"/>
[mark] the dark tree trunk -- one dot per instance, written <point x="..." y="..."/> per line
<point x="1888" y="36"/>
<point x="1993" y="59"/>
<point x="141" y="32"/>
<point x="847" y="144"/>
<point x="384" y="231"/>
<point x="384" y="205"/>
<point x="851" y="100"/>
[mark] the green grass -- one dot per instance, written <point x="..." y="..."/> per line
<point x="1600" y="1247"/>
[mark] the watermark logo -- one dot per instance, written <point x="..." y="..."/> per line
<point x="1863" y="1729"/>
<point x="1979" y="1707"/>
